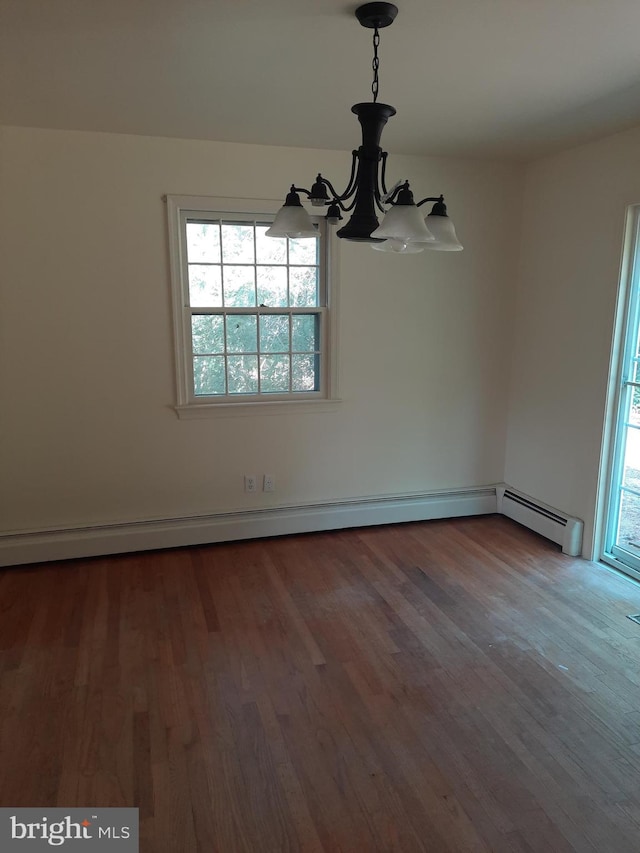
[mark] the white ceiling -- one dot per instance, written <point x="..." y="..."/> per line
<point x="491" y="78"/>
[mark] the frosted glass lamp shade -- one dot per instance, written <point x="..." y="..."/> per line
<point x="442" y="229"/>
<point x="398" y="246"/>
<point x="292" y="221"/>
<point x="404" y="222"/>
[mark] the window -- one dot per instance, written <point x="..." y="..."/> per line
<point x="622" y="523"/>
<point x="252" y="313"/>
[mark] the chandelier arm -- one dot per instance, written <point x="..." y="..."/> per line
<point x="339" y="202"/>
<point x="338" y="197"/>
<point x="380" y="190"/>
<point x="345" y="207"/>
<point x="383" y="175"/>
<point x="378" y="194"/>
<point x="350" y="186"/>
<point x="391" y="197"/>
<point x="430" y="198"/>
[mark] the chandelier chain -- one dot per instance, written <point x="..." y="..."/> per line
<point x="375" y="64"/>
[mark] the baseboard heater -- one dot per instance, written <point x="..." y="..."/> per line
<point x="148" y="534"/>
<point x="545" y="520"/>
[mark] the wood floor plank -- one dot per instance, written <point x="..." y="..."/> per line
<point x="447" y="686"/>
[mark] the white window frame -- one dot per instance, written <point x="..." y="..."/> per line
<point x="621" y="387"/>
<point x="179" y="210"/>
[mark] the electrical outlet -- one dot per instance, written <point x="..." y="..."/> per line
<point x="268" y="483"/>
<point x="250" y="483"/>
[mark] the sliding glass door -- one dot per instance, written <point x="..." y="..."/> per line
<point x="622" y="537"/>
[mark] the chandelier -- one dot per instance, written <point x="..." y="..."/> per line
<point x="403" y="228"/>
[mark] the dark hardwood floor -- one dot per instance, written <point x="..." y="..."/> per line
<point x="441" y="686"/>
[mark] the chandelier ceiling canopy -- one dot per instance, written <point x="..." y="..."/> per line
<point x="403" y="228"/>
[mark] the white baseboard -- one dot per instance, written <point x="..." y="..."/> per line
<point x="44" y="545"/>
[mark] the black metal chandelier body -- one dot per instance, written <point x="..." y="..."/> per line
<point x="403" y="228"/>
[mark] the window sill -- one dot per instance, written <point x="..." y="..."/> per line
<point x="277" y="407"/>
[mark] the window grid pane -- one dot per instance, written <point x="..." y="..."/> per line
<point x="239" y="349"/>
<point x="275" y="374"/>
<point x="209" y="376"/>
<point x="203" y="242"/>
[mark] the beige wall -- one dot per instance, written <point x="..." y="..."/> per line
<point x="573" y="222"/>
<point x="88" y="433"/>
